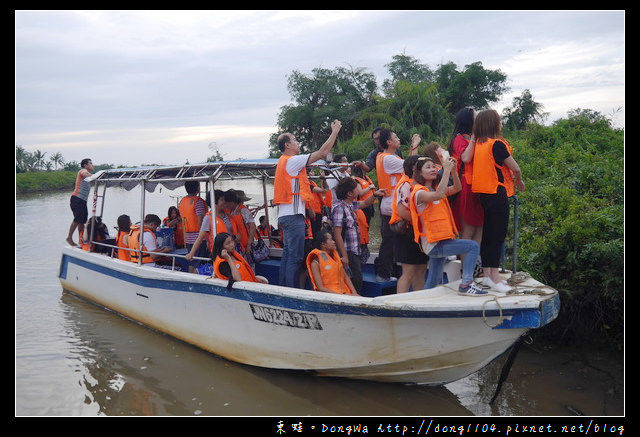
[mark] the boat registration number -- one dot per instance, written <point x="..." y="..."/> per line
<point x="292" y="319"/>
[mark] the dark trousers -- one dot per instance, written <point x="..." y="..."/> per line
<point x="494" y="230"/>
<point x="385" y="262"/>
<point x="355" y="265"/>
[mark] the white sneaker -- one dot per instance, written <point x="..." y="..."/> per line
<point x="501" y="286"/>
<point x="486" y="281"/>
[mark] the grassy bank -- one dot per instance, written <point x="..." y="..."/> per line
<point x="35" y="181"/>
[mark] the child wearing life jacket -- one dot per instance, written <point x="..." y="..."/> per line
<point x="173" y="220"/>
<point x="229" y="264"/>
<point x="325" y="267"/>
<point x="122" y="238"/>
<point x="434" y="227"/>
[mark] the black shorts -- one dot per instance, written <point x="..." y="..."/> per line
<point x="79" y="209"/>
<point x="407" y="251"/>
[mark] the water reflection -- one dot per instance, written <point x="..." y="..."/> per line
<point x="131" y="370"/>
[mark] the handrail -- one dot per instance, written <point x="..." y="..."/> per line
<point x="172" y="255"/>
<point x="147" y="179"/>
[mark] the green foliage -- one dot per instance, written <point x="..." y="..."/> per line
<point x="320" y="98"/>
<point x="44" y="180"/>
<point x="474" y="86"/>
<point x="416" y="100"/>
<point x="413" y="109"/>
<point x="571" y="233"/>
<point x="406" y="68"/>
<point x="524" y="110"/>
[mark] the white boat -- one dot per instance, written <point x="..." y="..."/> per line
<point x="422" y="337"/>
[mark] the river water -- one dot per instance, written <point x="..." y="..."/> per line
<point x="75" y="359"/>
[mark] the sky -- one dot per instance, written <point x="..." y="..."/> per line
<point x="164" y="87"/>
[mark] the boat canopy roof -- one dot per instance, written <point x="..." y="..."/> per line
<point x="172" y="177"/>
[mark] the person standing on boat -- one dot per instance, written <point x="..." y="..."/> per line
<point x="240" y="215"/>
<point x="78" y="201"/>
<point x="366" y="190"/>
<point x="370" y="162"/>
<point x="466" y="207"/>
<point x="407" y="252"/>
<point x="337" y="175"/>
<point x="434" y="227"/>
<point x="495" y="176"/>
<point x="292" y="193"/>
<point x="346" y="230"/>
<point x="389" y="169"/>
<point x="222" y="222"/>
<point x="192" y="209"/>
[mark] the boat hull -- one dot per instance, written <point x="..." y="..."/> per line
<point x="424" y="337"/>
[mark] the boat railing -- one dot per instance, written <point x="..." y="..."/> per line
<point x="173" y="256"/>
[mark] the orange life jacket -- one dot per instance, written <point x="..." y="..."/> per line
<point x="178" y="231"/>
<point x="436" y="221"/>
<point x="245" y="270"/>
<point x="134" y="243"/>
<point x="87" y="245"/>
<point x="237" y="221"/>
<point x="122" y="254"/>
<point x="395" y="217"/>
<point x="364" y="183"/>
<point x="328" y="199"/>
<point x="264" y="232"/>
<point x="485" y="175"/>
<point x="84" y="245"/>
<point x="187" y="208"/>
<point x="331" y="271"/>
<point x="220" y="227"/>
<point x="282" y="192"/>
<point x="363" y="226"/>
<point x="384" y="179"/>
<point x="308" y="231"/>
<point x="317" y="200"/>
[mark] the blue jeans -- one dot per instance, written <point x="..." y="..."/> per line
<point x="293" y="230"/>
<point x="445" y="248"/>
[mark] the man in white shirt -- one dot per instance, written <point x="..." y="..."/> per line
<point x="291" y="193"/>
<point x="149" y="242"/>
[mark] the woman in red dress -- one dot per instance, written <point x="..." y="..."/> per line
<point x="466" y="207"/>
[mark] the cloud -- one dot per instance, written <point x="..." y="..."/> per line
<point x="127" y="87"/>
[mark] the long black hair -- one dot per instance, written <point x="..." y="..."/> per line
<point x="321" y="237"/>
<point x="218" y="243"/>
<point x="409" y="164"/>
<point x="464" y="125"/>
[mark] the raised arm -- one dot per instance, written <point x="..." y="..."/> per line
<point x="324" y="150"/>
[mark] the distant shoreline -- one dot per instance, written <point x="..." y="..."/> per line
<point x="44" y="181"/>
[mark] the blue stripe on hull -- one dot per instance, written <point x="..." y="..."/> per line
<point x="528" y="318"/>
